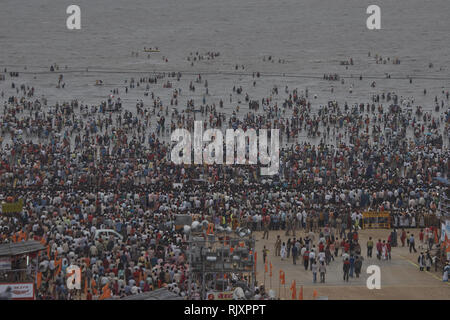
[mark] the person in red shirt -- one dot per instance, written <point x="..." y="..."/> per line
<point x="379" y="249"/>
<point x="388" y="249"/>
<point x="321" y="247"/>
<point x="347" y="246"/>
<point x="343" y="245"/>
<point x="421" y="236"/>
<point x="403" y="237"/>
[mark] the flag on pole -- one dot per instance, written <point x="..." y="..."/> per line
<point x="300" y="295"/>
<point x="270" y="274"/>
<point x="39" y="279"/>
<point x="447" y="243"/>
<point x="93" y="285"/>
<point x="294" y="290"/>
<point x="106" y="292"/>
<point x="265" y="267"/>
<point x="59" y="264"/>
<point x="282" y="277"/>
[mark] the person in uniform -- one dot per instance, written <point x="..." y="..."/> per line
<point x="277" y="246"/>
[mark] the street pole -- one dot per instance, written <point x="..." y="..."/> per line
<point x="190" y="266"/>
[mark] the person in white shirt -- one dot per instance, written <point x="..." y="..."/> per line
<point x="312" y="257"/>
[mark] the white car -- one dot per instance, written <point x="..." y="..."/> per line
<point x="106" y="233"/>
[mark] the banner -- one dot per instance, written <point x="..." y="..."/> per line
<point x="443" y="231"/>
<point x="223" y="295"/>
<point x="5" y="263"/>
<point x="15" y="207"/>
<point x="20" y="291"/>
<point x="376" y="220"/>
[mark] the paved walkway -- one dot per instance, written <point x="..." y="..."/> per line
<point x="400" y="277"/>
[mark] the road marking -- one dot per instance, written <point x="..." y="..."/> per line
<point x="417" y="266"/>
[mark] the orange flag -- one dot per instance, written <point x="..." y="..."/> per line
<point x="39" y="279"/>
<point x="59" y="263"/>
<point x="314" y="294"/>
<point x="106" y="292"/>
<point x="43" y="242"/>
<point x="265" y="267"/>
<point x="436" y="240"/>
<point x="282" y="277"/>
<point x="300" y="295"/>
<point x="294" y="290"/>
<point x="270" y="274"/>
<point x="447" y="242"/>
<point x="85" y="287"/>
<point x="93" y="285"/>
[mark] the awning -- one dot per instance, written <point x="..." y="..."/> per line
<point x="19" y="248"/>
<point x="159" y="294"/>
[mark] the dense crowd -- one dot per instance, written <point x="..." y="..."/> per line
<point x="82" y="168"/>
